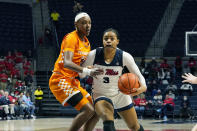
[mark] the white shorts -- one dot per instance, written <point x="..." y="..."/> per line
<point x="120" y="101"/>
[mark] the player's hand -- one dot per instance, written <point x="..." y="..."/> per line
<point x="137" y="91"/>
<point x="189" y="78"/>
<point x="96" y="71"/>
<point x="90" y="71"/>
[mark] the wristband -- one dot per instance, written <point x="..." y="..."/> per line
<point x="86" y="71"/>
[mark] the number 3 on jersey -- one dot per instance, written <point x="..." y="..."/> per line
<point x="105" y="79"/>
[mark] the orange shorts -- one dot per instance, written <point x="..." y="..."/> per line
<point x="64" y="88"/>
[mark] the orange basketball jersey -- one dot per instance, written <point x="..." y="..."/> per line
<point x="62" y="82"/>
<point x="72" y="42"/>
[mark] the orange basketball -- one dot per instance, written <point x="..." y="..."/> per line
<point x="127" y="82"/>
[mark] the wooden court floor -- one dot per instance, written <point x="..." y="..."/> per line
<point x="62" y="124"/>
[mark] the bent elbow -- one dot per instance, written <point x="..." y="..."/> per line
<point x="67" y="64"/>
<point x="144" y="88"/>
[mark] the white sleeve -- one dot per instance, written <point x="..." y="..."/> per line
<point x="129" y="62"/>
<point x="90" y="59"/>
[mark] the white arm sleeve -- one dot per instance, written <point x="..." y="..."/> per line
<point x="90" y="59"/>
<point x="129" y="62"/>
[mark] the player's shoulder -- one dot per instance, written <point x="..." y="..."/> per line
<point x="99" y="49"/>
<point x="71" y="35"/>
<point x="126" y="54"/>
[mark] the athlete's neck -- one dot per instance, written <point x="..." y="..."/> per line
<point x="109" y="54"/>
<point x="81" y="36"/>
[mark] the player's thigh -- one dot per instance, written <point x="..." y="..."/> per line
<point x="68" y="91"/>
<point x="130" y="117"/>
<point x="104" y="108"/>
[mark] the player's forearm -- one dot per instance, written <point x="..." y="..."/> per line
<point x="72" y="66"/>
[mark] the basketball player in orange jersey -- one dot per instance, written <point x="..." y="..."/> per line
<point x="106" y="94"/>
<point x="63" y="84"/>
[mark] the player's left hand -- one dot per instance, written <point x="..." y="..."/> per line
<point x="138" y="90"/>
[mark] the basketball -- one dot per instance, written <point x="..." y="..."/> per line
<point x="127" y="82"/>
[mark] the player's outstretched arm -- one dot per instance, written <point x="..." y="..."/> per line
<point x="189" y="78"/>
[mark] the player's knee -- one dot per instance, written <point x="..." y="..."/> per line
<point x="90" y="112"/>
<point x="105" y="116"/>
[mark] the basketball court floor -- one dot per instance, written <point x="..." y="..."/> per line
<point x="62" y="124"/>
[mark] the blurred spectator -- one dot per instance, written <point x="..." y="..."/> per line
<point x="171" y="95"/>
<point x="48" y="36"/>
<point x="192" y="65"/>
<point x="157" y="103"/>
<point x="29" y="71"/>
<point x="158" y="96"/>
<point x="38" y="99"/>
<point x="142" y="63"/>
<point x="11" y="104"/>
<point x="28" y="80"/>
<point x="153" y="63"/>
<point x="160" y="75"/>
<point x="168" y="105"/>
<point x="3" y="80"/>
<point x="165" y="64"/>
<point x="9" y="56"/>
<point x="171" y="87"/>
<point x="178" y="64"/>
<point x="29" y="55"/>
<point x="26" y="64"/>
<point x="9" y="65"/>
<point x="4" y="103"/>
<point x="168" y="75"/>
<point x="18" y="59"/>
<point x="77" y="7"/>
<point x="140" y="104"/>
<point x="186" y="69"/>
<point x="185" y="110"/>
<point x="23" y="107"/>
<point x="154" y="92"/>
<point x="14" y="100"/>
<point x="27" y="101"/>
<point x="55" y="18"/>
<point x="186" y="89"/>
<point x="2" y="64"/>
<point x="146" y="71"/>
<point x="14" y="80"/>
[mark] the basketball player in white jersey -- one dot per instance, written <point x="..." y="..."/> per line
<point x="106" y="94"/>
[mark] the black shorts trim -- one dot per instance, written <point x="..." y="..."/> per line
<point x="125" y="108"/>
<point x="75" y="99"/>
<point x="103" y="98"/>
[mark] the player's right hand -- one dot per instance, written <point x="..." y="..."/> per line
<point x="96" y="71"/>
